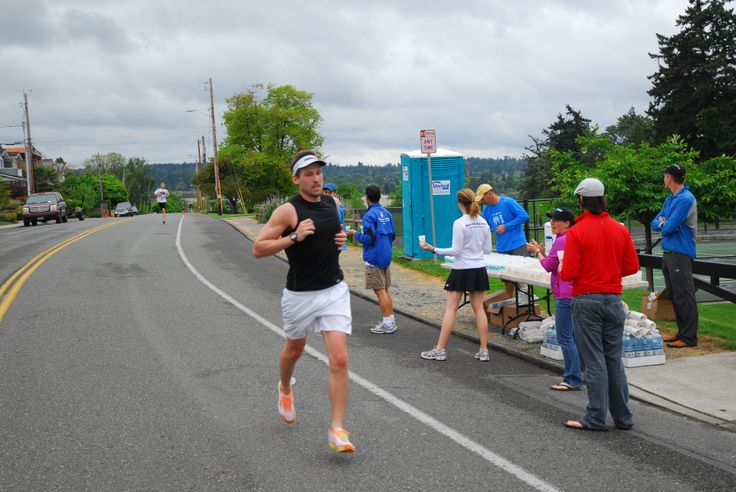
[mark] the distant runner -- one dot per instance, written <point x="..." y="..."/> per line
<point x="161" y="194"/>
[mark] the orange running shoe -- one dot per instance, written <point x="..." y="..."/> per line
<point x="286" y="406"/>
<point x="339" y="440"/>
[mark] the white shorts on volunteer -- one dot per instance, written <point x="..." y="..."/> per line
<point x="316" y="311"/>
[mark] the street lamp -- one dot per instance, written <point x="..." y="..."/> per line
<point x="218" y="188"/>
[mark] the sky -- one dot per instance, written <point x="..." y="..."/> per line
<point x="118" y="76"/>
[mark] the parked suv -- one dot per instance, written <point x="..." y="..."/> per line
<point x="44" y="206"/>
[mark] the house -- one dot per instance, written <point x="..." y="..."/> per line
<point x="13" y="167"/>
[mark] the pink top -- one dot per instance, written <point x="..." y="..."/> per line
<point x="562" y="289"/>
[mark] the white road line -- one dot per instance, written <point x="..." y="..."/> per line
<point x="405" y="407"/>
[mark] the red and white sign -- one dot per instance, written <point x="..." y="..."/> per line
<point x="428" y="139"/>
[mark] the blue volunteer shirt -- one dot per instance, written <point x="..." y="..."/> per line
<point x="509" y="213"/>
<point x="680" y="212"/>
<point x="377" y="236"/>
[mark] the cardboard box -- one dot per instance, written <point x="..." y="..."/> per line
<point x="552" y="351"/>
<point x="661" y="307"/>
<point x="651" y="360"/>
<point x="503" y="314"/>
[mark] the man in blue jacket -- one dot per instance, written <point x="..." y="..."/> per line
<point x="678" y="223"/>
<point x="505" y="217"/>
<point x="376" y="237"/>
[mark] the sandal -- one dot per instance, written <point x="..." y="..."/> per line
<point x="577" y="425"/>
<point x="564" y="387"/>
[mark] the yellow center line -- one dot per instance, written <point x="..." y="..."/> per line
<point x="16" y="281"/>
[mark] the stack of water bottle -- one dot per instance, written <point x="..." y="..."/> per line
<point x="550" y="347"/>
<point x="642" y="341"/>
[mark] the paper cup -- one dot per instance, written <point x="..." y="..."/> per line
<point x="422" y="239"/>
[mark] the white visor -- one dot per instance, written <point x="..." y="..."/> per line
<point x="305" y="161"/>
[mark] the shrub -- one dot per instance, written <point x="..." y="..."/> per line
<point x="266" y="208"/>
<point x="7" y="216"/>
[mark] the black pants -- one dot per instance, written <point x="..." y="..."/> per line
<point x="678" y="279"/>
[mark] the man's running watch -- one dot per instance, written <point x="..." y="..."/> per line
<point x="293" y="237"/>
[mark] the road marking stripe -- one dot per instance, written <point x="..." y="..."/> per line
<point x="16" y="281"/>
<point x="405" y="407"/>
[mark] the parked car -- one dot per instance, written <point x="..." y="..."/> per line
<point x="44" y="206"/>
<point x="125" y="209"/>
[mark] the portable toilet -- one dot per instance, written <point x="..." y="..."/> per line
<point x="448" y="173"/>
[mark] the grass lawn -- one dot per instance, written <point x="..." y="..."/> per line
<point x="230" y="216"/>
<point x="715" y="320"/>
<point x="2" y="223"/>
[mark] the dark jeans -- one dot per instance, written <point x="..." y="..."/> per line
<point x="566" y="339"/>
<point x="678" y="279"/>
<point x="598" y="320"/>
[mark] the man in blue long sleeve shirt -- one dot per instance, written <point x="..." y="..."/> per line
<point x="505" y="217"/>
<point x="376" y="237"/>
<point x="678" y="223"/>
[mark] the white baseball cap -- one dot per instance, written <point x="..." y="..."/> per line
<point x="590" y="187"/>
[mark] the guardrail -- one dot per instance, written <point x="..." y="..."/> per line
<point x="713" y="269"/>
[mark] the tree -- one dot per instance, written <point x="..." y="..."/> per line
<point x="266" y="125"/>
<point x="561" y="136"/>
<point x="139" y="183"/>
<point x="81" y="190"/>
<point x="631" y="129"/>
<point x="111" y="163"/>
<point x="47" y="179"/>
<point x="694" y="87"/>
<point x="632" y="176"/>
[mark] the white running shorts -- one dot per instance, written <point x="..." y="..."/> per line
<point x="316" y="311"/>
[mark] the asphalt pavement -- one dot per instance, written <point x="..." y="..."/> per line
<point x="144" y="357"/>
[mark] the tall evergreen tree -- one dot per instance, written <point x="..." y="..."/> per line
<point x="694" y="87"/>
<point x="561" y="136"/>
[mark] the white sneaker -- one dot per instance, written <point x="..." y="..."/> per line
<point x="435" y="354"/>
<point x="385" y="329"/>
<point x="482" y="355"/>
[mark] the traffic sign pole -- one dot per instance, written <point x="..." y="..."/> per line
<point x="428" y="139"/>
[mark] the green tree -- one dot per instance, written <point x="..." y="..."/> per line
<point x="110" y="163"/>
<point x="82" y="189"/>
<point x="266" y="125"/>
<point x="632" y="129"/>
<point x="114" y="191"/>
<point x="139" y="183"/>
<point x="561" y="136"/>
<point x="632" y="176"/>
<point x="714" y="188"/>
<point x="694" y="87"/>
<point x="46" y="177"/>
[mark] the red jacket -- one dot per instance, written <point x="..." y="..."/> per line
<point x="598" y="252"/>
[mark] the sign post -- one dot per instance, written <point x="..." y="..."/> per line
<point x="428" y="139"/>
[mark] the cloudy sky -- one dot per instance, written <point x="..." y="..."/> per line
<point x="106" y="76"/>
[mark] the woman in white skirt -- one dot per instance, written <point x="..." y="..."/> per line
<point x="471" y="239"/>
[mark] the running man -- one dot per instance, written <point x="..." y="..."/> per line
<point x="161" y="194"/>
<point x="315" y="299"/>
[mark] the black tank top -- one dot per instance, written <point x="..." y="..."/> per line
<point x="313" y="262"/>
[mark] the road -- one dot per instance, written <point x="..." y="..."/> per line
<point x="144" y="356"/>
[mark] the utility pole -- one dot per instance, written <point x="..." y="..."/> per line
<point x="31" y="175"/>
<point x="218" y="188"/>
<point x="199" y="162"/>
